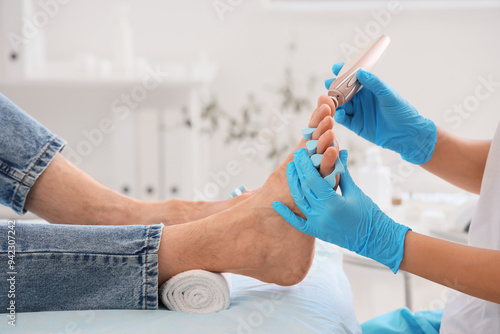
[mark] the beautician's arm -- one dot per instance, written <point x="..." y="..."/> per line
<point x="459" y="161"/>
<point x="473" y="271"/>
<point x="353" y="221"/>
<point x="380" y="115"/>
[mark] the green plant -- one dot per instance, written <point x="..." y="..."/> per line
<point x="245" y="125"/>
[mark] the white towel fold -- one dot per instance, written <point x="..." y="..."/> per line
<point x="197" y="291"/>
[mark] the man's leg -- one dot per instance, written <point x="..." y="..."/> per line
<point x="34" y="176"/>
<point x="249" y="239"/>
<point x="63" y="194"/>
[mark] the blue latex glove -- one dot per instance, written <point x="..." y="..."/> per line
<point x="380" y="115"/>
<point x="350" y="220"/>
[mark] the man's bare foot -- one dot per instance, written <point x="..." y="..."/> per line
<point x="250" y="238"/>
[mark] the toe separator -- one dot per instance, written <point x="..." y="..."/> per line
<point x="339" y="169"/>
<point x="237" y="191"/>
<point x="307" y="133"/>
<point x="312" y="146"/>
<point x="316" y="159"/>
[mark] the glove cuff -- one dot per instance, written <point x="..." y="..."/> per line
<point x="386" y="242"/>
<point x="422" y="141"/>
<point x="398" y="234"/>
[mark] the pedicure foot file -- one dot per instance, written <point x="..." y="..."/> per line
<point x="346" y="84"/>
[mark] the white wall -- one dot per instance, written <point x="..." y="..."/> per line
<point x="435" y="60"/>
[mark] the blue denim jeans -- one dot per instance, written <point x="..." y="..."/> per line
<point x="46" y="267"/>
<point x="26" y="149"/>
<point x="75" y="267"/>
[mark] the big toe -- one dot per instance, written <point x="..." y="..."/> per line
<point x="319" y="114"/>
<point x="325" y="99"/>
<point x="323" y="126"/>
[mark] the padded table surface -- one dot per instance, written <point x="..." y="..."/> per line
<point x="322" y="303"/>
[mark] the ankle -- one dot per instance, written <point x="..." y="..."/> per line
<point x="171" y="212"/>
<point x="116" y="209"/>
<point x="175" y="211"/>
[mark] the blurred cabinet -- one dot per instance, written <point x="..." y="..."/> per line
<point x="144" y="151"/>
<point x="148" y="155"/>
<point x="21" y="42"/>
<point x="182" y="151"/>
<point x="115" y="115"/>
<point x="137" y="155"/>
<point x="156" y="155"/>
<point x="375" y="289"/>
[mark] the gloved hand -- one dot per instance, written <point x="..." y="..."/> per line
<point x="350" y="220"/>
<point x="380" y="115"/>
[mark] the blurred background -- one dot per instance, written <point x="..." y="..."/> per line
<point x="189" y="99"/>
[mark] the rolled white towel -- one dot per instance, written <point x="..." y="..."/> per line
<point x="197" y="291"/>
